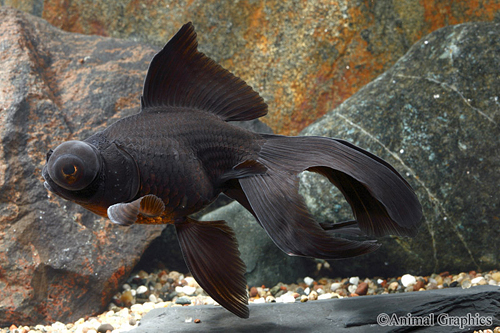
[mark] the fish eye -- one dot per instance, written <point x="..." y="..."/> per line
<point x="73" y="165"/>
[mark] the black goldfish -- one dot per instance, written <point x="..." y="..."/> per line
<point x="179" y="153"/>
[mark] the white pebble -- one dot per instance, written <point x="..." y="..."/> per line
<point x="408" y="280"/>
<point x="335" y="286"/>
<point x="354" y="280"/>
<point x="259" y="300"/>
<point x="477" y="280"/>
<point x="137" y="308"/>
<point x="492" y="283"/>
<point x="325" y="296"/>
<point x="307" y="291"/>
<point x="126" y="287"/>
<point x="179" y="289"/>
<point x="142" y="289"/>
<point x="191" y="282"/>
<point x="379" y="281"/>
<point x="152" y="298"/>
<point x="287" y="298"/>
<point x="308" y="280"/>
<point x="148" y="306"/>
<point x="188" y="290"/>
<point x="352" y="288"/>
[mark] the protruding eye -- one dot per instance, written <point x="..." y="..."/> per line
<point x="73" y="165"/>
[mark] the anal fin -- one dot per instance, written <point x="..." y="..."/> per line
<point x="127" y="214"/>
<point x="211" y="253"/>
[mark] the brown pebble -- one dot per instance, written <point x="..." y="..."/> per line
<point x="313" y="296"/>
<point x="419" y="285"/>
<point x="253" y="292"/>
<point x="354" y="295"/>
<point x="444" y="274"/>
<point x="197" y="321"/>
<point x="283" y="288"/>
<point x="362" y="288"/>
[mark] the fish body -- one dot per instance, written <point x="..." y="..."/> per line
<point x="181" y="151"/>
<point x="179" y="160"/>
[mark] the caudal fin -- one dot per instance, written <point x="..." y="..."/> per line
<point x="382" y="201"/>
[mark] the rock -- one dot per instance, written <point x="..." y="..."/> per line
<point x="141" y="290"/>
<point x="408" y="280"/>
<point x="354" y="280"/>
<point x="308" y="280"/>
<point x="305" y="58"/>
<point x="362" y="289"/>
<point x="253" y="292"/>
<point x="352" y="288"/>
<point x="393" y="286"/>
<point x="421" y="284"/>
<point x="313" y="295"/>
<point x="356" y="314"/>
<point x="59" y="262"/>
<point x="266" y="264"/>
<point x="433" y="116"/>
<point x="335" y="286"/>
<point x="478" y="280"/>
<point x="183" y="300"/>
<point x="103" y="328"/>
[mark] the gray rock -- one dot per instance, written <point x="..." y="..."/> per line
<point x="266" y="264"/>
<point x="435" y="116"/>
<point x="355" y="314"/>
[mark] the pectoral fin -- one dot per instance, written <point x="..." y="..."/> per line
<point x="211" y="254"/>
<point x="128" y="213"/>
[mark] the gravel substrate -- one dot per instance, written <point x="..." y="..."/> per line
<point x="146" y="291"/>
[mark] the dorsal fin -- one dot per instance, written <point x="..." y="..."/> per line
<point x="180" y="76"/>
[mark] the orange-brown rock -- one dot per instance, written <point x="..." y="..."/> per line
<point x="304" y="57"/>
<point x="59" y="262"/>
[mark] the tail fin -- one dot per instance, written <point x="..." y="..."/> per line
<point x="382" y="201"/>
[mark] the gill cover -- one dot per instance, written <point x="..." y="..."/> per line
<point x="73" y="165"/>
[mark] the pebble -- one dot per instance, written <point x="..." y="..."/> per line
<point x="408" y="280"/>
<point x="335" y="286"/>
<point x="144" y="292"/>
<point x="141" y="290"/>
<point x="286" y="298"/>
<point x="313" y="296"/>
<point x="393" y="286"/>
<point x="352" y="288"/>
<point x="253" y="292"/>
<point x="354" y="280"/>
<point x="259" y="300"/>
<point x="466" y="284"/>
<point x="308" y="281"/>
<point x="325" y="296"/>
<point x="362" y="288"/>
<point x="103" y="328"/>
<point x="183" y="300"/>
